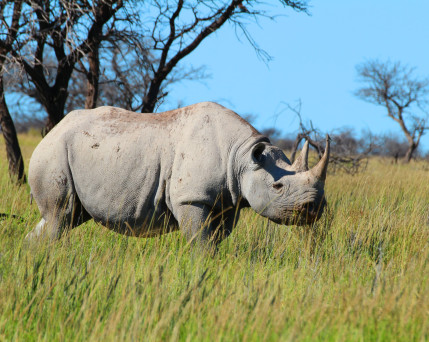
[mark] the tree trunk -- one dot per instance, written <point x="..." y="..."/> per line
<point x="411" y="148"/>
<point x="93" y="79"/>
<point x="54" y="118"/>
<point x="55" y="108"/>
<point x="151" y="97"/>
<point x="13" y="151"/>
<point x="148" y="107"/>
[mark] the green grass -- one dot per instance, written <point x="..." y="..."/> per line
<point x="360" y="274"/>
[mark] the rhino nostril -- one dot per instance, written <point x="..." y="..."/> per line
<point x="277" y="186"/>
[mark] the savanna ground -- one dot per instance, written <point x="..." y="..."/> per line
<point x="360" y="274"/>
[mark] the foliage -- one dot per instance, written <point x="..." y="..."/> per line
<point x="360" y="274"/>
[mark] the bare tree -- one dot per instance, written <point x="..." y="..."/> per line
<point x="8" y="38"/>
<point x="69" y="30"/>
<point x="178" y="28"/>
<point x="145" y="57"/>
<point x="127" y="75"/>
<point x="53" y="25"/>
<point x="161" y="33"/>
<point x="67" y="39"/>
<point x="395" y="87"/>
<point x="311" y="134"/>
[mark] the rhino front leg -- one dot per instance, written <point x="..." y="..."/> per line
<point x="194" y="221"/>
<point x="223" y="224"/>
<point x="204" y="227"/>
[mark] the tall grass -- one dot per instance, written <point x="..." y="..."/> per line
<point x="360" y="274"/>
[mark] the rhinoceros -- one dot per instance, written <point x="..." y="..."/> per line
<point x="192" y="169"/>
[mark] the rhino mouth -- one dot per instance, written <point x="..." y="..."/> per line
<point x="307" y="213"/>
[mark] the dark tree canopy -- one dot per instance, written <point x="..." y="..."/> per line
<point x="64" y="32"/>
<point x="124" y="52"/>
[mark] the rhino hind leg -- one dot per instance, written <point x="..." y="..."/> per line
<point x="58" y="218"/>
<point x="52" y="187"/>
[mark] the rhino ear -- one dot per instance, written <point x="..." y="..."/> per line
<point x="257" y="153"/>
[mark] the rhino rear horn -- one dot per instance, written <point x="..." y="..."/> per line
<point x="320" y="169"/>
<point x="301" y="163"/>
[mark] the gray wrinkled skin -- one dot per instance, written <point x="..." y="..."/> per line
<point x="148" y="174"/>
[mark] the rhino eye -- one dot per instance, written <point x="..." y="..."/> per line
<point x="257" y="153"/>
<point x="277" y="186"/>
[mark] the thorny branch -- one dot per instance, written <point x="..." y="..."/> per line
<point x="341" y="157"/>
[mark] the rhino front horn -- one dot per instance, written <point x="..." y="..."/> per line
<point x="301" y="163"/>
<point x="319" y="171"/>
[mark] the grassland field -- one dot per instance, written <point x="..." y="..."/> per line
<point x="359" y="274"/>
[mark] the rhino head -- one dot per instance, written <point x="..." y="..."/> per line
<point x="283" y="192"/>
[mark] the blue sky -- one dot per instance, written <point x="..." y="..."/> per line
<point x="314" y="59"/>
